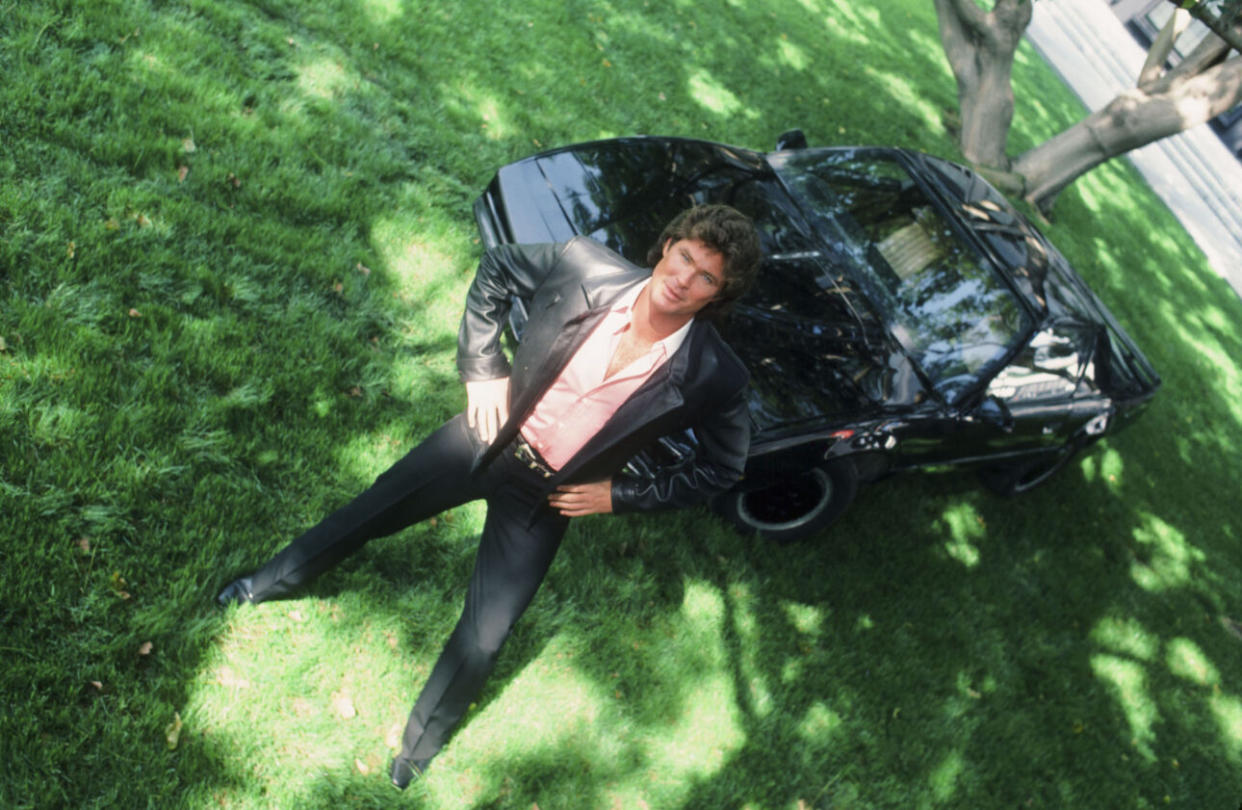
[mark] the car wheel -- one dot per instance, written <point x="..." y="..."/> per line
<point x="1015" y="479"/>
<point x="795" y="505"/>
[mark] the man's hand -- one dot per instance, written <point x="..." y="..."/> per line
<point x="577" y="500"/>
<point x="487" y="406"/>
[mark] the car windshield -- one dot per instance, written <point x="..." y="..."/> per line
<point x="939" y="297"/>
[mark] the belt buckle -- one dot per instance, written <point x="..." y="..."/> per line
<point x="526" y="454"/>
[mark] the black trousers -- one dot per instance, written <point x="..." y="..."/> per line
<point x="520" y="538"/>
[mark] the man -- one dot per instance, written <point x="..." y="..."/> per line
<point x="612" y="357"/>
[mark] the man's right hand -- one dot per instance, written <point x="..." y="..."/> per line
<point x="487" y="406"/>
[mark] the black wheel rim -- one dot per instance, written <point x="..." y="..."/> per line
<point x="791" y="503"/>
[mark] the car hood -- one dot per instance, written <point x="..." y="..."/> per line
<point x="620" y="192"/>
<point x="1045" y="279"/>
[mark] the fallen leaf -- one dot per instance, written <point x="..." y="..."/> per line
<point x="338" y="287"/>
<point x="361" y="766"/>
<point x="118" y="585"/>
<point x="143" y="221"/>
<point x="172" y="732"/>
<point x="362" y="268"/>
<point x="84" y="543"/>
<point x="133" y="313"/>
<point x="344" y="706"/>
<point x="98" y="685"/>
<point x="188" y="146"/>
<point x="183" y="172"/>
<point x="145" y="648"/>
<point x="227" y="677"/>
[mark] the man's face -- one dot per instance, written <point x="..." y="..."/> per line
<point x="688" y="277"/>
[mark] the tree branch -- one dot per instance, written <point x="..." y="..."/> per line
<point x="956" y="38"/>
<point x="1012" y="16"/>
<point x="1224" y="25"/>
<point x="1207" y="53"/>
<point x="969" y="14"/>
<point x="1159" y="51"/>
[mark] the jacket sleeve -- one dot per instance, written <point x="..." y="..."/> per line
<point x="505" y="272"/>
<point x="723" y="437"/>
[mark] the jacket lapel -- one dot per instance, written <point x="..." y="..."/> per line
<point x="564" y="345"/>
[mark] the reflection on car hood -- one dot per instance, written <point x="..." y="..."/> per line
<point x="1039" y="271"/>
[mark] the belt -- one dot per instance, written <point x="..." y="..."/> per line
<point x="528" y="456"/>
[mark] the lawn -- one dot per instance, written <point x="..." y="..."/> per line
<point x="234" y="243"/>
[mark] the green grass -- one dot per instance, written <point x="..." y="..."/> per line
<point x="235" y="238"/>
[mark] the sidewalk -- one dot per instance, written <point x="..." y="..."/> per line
<point x="1193" y="172"/>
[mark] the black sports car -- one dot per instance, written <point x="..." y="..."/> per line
<point x="905" y="316"/>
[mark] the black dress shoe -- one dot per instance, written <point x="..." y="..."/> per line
<point x="405" y="771"/>
<point x="237" y="592"/>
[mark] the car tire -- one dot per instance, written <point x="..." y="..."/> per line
<point x="795" y="505"/>
<point x="1008" y="480"/>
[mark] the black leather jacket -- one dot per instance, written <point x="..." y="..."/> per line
<point x="565" y="289"/>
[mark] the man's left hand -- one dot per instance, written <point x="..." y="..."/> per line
<point x="577" y="500"/>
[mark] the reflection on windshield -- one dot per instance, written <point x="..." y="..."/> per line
<point x="944" y="303"/>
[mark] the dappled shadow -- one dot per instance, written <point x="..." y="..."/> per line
<point x="954" y="643"/>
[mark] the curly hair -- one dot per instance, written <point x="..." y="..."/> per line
<point x="727" y="231"/>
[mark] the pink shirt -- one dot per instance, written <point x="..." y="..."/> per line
<point x="581" y="401"/>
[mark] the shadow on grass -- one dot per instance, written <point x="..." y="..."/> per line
<point x="201" y="365"/>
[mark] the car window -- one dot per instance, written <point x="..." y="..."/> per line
<point x="940" y="298"/>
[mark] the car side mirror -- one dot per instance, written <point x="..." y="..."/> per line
<point x="993" y="411"/>
<point x="791" y="139"/>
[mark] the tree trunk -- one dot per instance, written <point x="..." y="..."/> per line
<point x="980" y="47"/>
<point x="1134" y="118"/>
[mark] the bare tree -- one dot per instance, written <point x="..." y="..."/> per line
<point x="1206" y="83"/>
